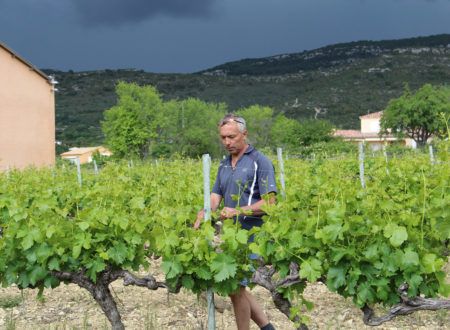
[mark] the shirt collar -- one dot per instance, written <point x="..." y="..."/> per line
<point x="249" y="149"/>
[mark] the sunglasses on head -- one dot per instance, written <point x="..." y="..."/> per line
<point x="229" y="120"/>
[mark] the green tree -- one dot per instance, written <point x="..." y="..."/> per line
<point x="416" y="115"/>
<point x="192" y="127"/>
<point x="313" y="131"/>
<point x="135" y="122"/>
<point x="284" y="132"/>
<point x="259" y="124"/>
<point x="142" y="125"/>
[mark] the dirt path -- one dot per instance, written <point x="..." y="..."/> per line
<point x="69" y="307"/>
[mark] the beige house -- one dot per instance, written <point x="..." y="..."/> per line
<point x="369" y="133"/>
<point x="85" y="155"/>
<point x="27" y="113"/>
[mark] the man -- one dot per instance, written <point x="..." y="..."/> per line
<point x="250" y="175"/>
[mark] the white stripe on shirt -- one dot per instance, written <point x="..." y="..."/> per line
<point x="253" y="185"/>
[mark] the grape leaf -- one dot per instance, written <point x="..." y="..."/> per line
<point x="399" y="235"/>
<point x="224" y="267"/>
<point x="203" y="273"/>
<point x="172" y="268"/>
<point x="335" y="277"/>
<point x="311" y="269"/>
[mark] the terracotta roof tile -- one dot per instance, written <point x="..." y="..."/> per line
<point x="348" y="133"/>
<point x="354" y="134"/>
<point x="79" y="151"/>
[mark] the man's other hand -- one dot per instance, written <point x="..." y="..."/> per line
<point x="198" y="221"/>
<point x="228" y="213"/>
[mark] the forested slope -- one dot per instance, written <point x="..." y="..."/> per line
<point x="338" y="83"/>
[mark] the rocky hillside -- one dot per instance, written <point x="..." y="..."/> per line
<point x="334" y="56"/>
<point x="338" y="82"/>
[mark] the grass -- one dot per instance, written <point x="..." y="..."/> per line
<point x="86" y="324"/>
<point x="150" y="322"/>
<point x="10" y="301"/>
<point x="10" y="323"/>
<point x="442" y="316"/>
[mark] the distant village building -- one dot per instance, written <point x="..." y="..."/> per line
<point x="370" y="133"/>
<point x="85" y="154"/>
<point x="27" y="113"/>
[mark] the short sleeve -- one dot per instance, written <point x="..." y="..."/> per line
<point x="266" y="176"/>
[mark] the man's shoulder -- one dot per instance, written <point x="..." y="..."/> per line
<point x="253" y="154"/>
<point x="258" y="157"/>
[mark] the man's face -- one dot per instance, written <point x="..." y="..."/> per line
<point x="232" y="138"/>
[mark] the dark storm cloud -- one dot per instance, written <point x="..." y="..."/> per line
<point x="181" y="36"/>
<point x="112" y="12"/>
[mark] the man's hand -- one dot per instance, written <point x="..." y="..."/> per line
<point x="228" y="212"/>
<point x="215" y="202"/>
<point x="198" y="221"/>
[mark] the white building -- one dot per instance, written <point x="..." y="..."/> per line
<point x="370" y="133"/>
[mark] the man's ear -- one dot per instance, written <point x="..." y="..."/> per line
<point x="245" y="136"/>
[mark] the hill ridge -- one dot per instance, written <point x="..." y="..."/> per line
<point x="328" y="56"/>
<point x="337" y="82"/>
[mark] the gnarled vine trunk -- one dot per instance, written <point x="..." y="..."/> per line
<point x="408" y="306"/>
<point x="100" y="289"/>
<point x="263" y="277"/>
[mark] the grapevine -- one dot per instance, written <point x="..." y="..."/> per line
<point x="363" y="243"/>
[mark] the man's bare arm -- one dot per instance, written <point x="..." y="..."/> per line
<point x="215" y="202"/>
<point x="253" y="209"/>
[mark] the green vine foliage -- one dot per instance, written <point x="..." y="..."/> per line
<point x="363" y="243"/>
<point x="51" y="223"/>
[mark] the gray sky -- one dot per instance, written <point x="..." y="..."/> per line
<point x="190" y="35"/>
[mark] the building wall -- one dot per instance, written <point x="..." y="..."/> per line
<point x="370" y="125"/>
<point x="27" y="115"/>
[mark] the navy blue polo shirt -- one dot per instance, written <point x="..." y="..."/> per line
<point x="252" y="177"/>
